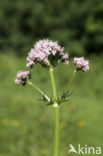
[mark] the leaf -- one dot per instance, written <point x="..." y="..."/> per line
<point x="64" y="97"/>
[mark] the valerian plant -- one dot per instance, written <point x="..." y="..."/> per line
<point x="49" y="54"/>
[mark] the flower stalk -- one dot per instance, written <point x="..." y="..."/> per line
<point x="70" y="81"/>
<point x="39" y="90"/>
<point x="53" y="84"/>
<point x="56" y="109"/>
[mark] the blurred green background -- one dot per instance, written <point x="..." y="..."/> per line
<point x="27" y="125"/>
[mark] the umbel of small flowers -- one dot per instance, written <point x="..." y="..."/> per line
<point x="49" y="54"/>
<point x="22" y="77"/>
<point x="45" y="52"/>
<point x="82" y="64"/>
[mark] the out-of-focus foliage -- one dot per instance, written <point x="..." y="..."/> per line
<point x="76" y="24"/>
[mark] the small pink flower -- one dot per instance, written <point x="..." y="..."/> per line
<point x="22" y="77"/>
<point x="81" y="63"/>
<point x="45" y="51"/>
<point x="30" y="64"/>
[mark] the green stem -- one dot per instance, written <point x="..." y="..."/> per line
<point x="70" y="81"/>
<point x="53" y="84"/>
<point x="56" y="109"/>
<point x="39" y="90"/>
<point x="56" y="141"/>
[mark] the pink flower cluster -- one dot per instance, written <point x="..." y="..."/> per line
<point x="47" y="52"/>
<point x="22" y="77"/>
<point x="81" y="63"/>
<point x="42" y="50"/>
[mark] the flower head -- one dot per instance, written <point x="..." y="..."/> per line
<point x="45" y="52"/>
<point x="22" y="77"/>
<point x="81" y="63"/>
